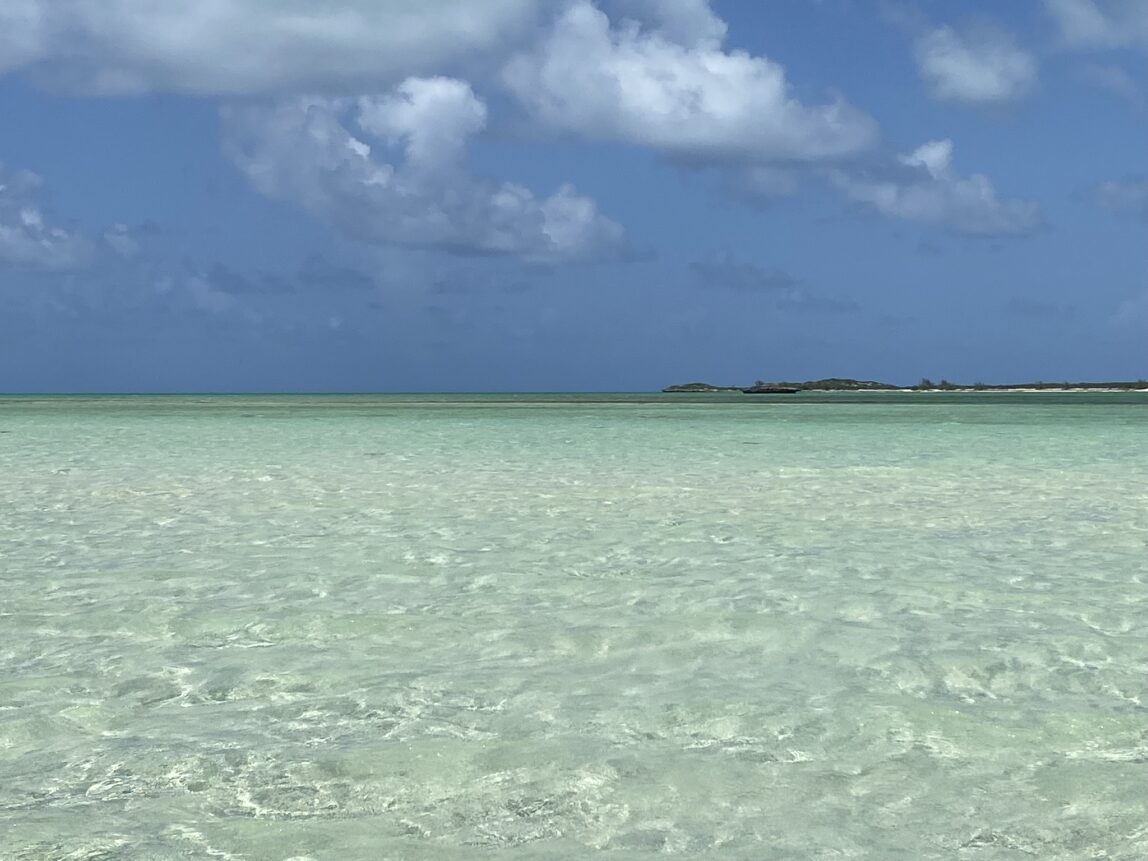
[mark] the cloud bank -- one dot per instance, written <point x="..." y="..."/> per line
<point x="304" y="151"/>
<point x="223" y="47"/>
<point x="377" y="146"/>
<point x="687" y="99"/>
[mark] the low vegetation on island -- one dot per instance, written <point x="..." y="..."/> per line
<point x="845" y="384"/>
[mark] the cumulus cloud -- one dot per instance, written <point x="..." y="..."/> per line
<point x="1099" y="24"/>
<point x="925" y="188"/>
<point x="686" y="22"/>
<point x="27" y="241"/>
<point x="1129" y="195"/>
<point x="688" y="99"/>
<point x="304" y="151"/>
<point x="251" y="46"/>
<point x="981" y="65"/>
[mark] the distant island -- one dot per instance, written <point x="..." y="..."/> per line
<point x="844" y="384"/>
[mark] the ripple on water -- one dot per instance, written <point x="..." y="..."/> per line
<point x="379" y="629"/>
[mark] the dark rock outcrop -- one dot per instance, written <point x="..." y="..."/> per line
<point x="772" y="389"/>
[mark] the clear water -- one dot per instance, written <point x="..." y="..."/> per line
<point x="877" y="626"/>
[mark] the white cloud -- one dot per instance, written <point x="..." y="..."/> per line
<point x="982" y="65"/>
<point x="1130" y="195"/>
<point x="690" y="100"/>
<point x="213" y="47"/>
<point x="1086" y="24"/>
<point x="686" y="22"/>
<point x="303" y="151"/>
<point x="433" y="117"/>
<point x="928" y="191"/>
<point x="27" y="241"/>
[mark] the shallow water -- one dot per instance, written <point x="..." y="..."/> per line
<point x="875" y="626"/>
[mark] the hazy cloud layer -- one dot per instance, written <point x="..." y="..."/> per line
<point x="1114" y="79"/>
<point x="1133" y="311"/>
<point x="685" y="98"/>
<point x="723" y="270"/>
<point x="122" y="240"/>
<point x="1100" y="24"/>
<point x="23" y="32"/>
<point x="27" y="240"/>
<point x="764" y="184"/>
<point x="305" y="152"/>
<point x="214" y="47"/>
<point x="319" y="273"/>
<point x="1034" y="309"/>
<point x="924" y="188"/>
<point x="981" y="65"/>
<point x="1129" y="195"/>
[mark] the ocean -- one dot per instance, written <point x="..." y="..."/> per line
<point x="890" y="626"/>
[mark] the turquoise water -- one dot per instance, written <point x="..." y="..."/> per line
<point x="546" y="627"/>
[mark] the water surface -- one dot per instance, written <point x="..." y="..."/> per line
<point x="437" y="627"/>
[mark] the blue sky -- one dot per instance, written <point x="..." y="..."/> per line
<point x="569" y="195"/>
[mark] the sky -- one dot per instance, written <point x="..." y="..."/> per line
<point x="554" y="195"/>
